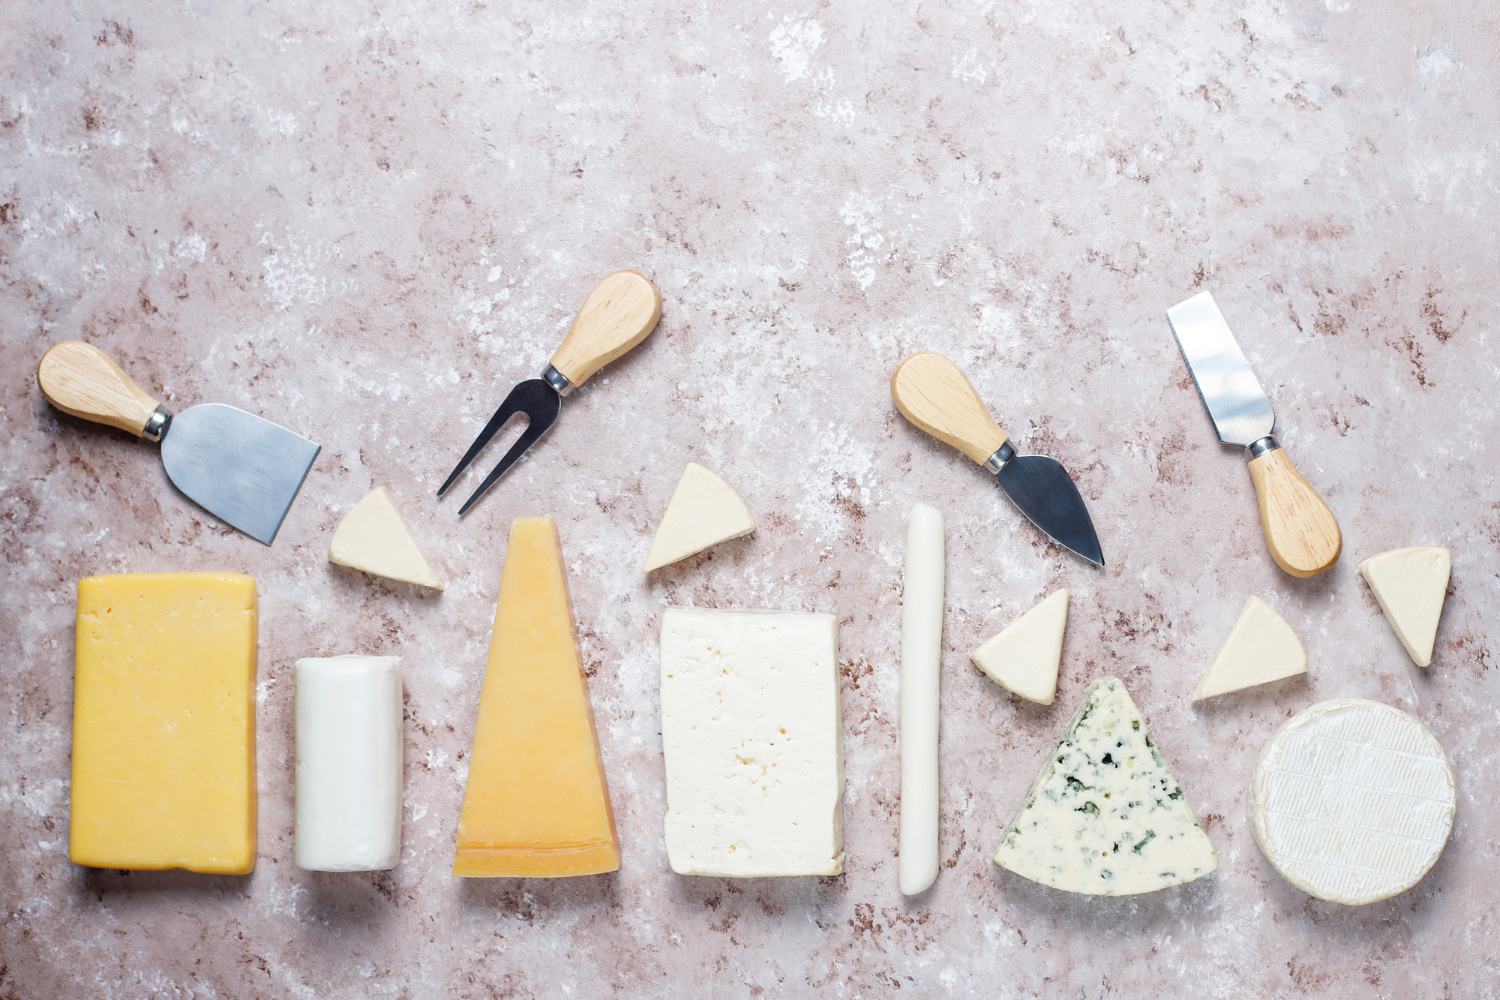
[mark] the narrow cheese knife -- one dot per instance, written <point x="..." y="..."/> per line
<point x="933" y="393"/>
<point x="238" y="467"/>
<point x="618" y="314"/>
<point x="1300" y="530"/>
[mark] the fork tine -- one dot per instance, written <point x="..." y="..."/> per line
<point x="535" y="428"/>
<point x="539" y="402"/>
<point x="507" y="409"/>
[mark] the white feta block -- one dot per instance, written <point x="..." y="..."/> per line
<point x="349" y="755"/>
<point x="753" y="742"/>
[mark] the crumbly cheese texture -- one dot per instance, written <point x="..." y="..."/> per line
<point x="1260" y="648"/>
<point x="703" y="511"/>
<point x="164" y="723"/>
<point x="753" y="743"/>
<point x="1105" y="816"/>
<point x="372" y="537"/>
<point x="536" y="803"/>
<point x="1411" y="585"/>
<point x="1024" y="658"/>
<point x="349" y="756"/>
<point x="1352" y="801"/>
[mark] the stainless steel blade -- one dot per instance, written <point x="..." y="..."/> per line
<point x="1042" y="489"/>
<point x="238" y="467"/>
<point x="1238" y="405"/>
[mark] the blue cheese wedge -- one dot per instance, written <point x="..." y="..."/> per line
<point x="1105" y="817"/>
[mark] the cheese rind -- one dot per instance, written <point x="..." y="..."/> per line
<point x="1024" y="657"/>
<point x="703" y="511"/>
<point x="921" y="660"/>
<point x="753" y="743"/>
<point x="1105" y="816"/>
<point x="164" y="723"/>
<point x="372" y="537"/>
<point x="1411" y="585"/>
<point x="1261" y="648"/>
<point x="1352" y="801"/>
<point x="348" y="763"/>
<point x="536" y="803"/>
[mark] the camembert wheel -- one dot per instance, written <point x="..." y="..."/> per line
<point x="1352" y="801"/>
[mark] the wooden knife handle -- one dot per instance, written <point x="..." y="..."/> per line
<point x="80" y="379"/>
<point x="933" y="393"/>
<point x="1301" y="531"/>
<point x="618" y="314"/>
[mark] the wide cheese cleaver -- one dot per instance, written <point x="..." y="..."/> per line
<point x="237" y="466"/>
<point x="1300" y="530"/>
<point x="933" y="393"/>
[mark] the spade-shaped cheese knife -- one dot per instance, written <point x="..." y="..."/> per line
<point x="1300" y="530"/>
<point x="618" y="314"/>
<point x="933" y="393"/>
<point x="233" y="464"/>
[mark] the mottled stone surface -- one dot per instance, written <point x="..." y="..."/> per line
<point x="367" y="220"/>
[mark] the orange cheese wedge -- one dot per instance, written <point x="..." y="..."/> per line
<point x="536" y="804"/>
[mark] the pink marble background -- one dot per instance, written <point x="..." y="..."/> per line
<point x="367" y="220"/>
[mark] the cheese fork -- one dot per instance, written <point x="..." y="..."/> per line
<point x="618" y="314"/>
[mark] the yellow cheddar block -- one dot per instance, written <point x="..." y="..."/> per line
<point x="536" y="802"/>
<point x="164" y="723"/>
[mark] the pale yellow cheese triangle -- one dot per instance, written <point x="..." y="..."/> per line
<point x="1410" y="585"/>
<point x="1261" y="648"/>
<point x="1024" y="658"/>
<point x="372" y="537"/>
<point x="703" y="511"/>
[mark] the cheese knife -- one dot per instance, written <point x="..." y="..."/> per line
<point x="618" y="314"/>
<point x="240" y="468"/>
<point x="1300" y="530"/>
<point x="933" y="393"/>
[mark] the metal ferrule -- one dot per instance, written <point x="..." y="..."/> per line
<point x="156" y="424"/>
<point x="557" y="380"/>
<point x="1264" y="446"/>
<point x="1000" y="459"/>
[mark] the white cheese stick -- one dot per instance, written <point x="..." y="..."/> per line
<point x="349" y="753"/>
<point x="921" y="656"/>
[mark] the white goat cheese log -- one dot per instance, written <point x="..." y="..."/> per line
<point x="349" y="754"/>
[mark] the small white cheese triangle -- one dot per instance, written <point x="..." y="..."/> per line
<point x="1024" y="657"/>
<point x="1105" y="816"/>
<point x="703" y="511"/>
<point x="1261" y="648"/>
<point x="372" y="537"/>
<point x="1410" y="585"/>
